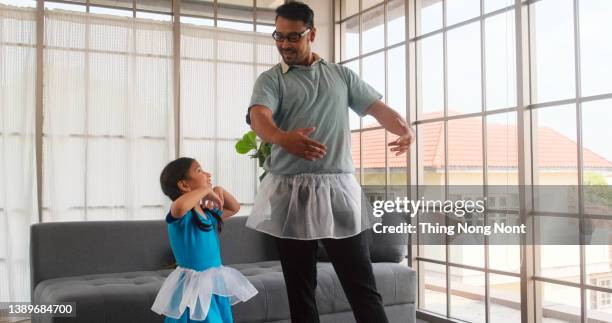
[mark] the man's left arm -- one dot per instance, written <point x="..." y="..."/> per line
<point x="395" y="124"/>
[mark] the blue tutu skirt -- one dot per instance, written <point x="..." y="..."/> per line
<point x="202" y="296"/>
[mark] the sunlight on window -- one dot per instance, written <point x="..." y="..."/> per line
<point x="153" y="16"/>
<point x="596" y="150"/>
<point x="595" y="52"/>
<point x="429" y="16"/>
<point x="373" y="30"/>
<point x="467" y="295"/>
<point x="348" y="8"/>
<point x="109" y="11"/>
<point x="434" y="287"/>
<point x="242" y="26"/>
<point x="128" y="5"/>
<point x="500" y="52"/>
<point x="396" y="25"/>
<point x="461" y="10"/>
<point x="465" y="155"/>
<point x="505" y="298"/>
<point x="265" y="29"/>
<point x="553" y="65"/>
<point x="430" y="84"/>
<point x="502" y="157"/>
<point x="354" y="117"/>
<point x="448" y="74"/>
<point x="197" y="21"/>
<point x="599" y="304"/>
<point x="555" y="127"/>
<point x="20" y="3"/>
<point x="559" y="303"/>
<point x="492" y="5"/>
<point x="349" y="38"/>
<point x="598" y="260"/>
<point x="373" y="143"/>
<point x="431" y="160"/>
<point x="396" y="87"/>
<point x="374" y="74"/>
<point x="463" y="66"/>
<point x="565" y="268"/>
<point x="64" y="6"/>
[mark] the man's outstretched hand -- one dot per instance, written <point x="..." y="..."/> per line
<point x="402" y="143"/>
<point x="395" y="124"/>
<point x="297" y="142"/>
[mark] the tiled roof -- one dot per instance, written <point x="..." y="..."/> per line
<point x="465" y="147"/>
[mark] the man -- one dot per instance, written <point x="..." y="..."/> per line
<point x="300" y="106"/>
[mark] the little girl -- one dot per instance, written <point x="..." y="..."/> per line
<point x="200" y="289"/>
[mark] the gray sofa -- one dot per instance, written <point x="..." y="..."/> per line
<point x="113" y="270"/>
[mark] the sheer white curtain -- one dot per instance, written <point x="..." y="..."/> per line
<point x="108" y="126"/>
<point x="218" y="70"/>
<point x="18" y="203"/>
<point x="109" y="120"/>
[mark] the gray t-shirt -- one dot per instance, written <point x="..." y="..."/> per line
<point x="313" y="96"/>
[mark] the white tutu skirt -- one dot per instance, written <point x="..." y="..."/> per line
<point x="310" y="206"/>
<point x="194" y="289"/>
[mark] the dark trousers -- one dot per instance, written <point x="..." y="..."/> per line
<point x="351" y="260"/>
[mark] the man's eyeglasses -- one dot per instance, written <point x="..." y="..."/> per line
<point x="291" y="37"/>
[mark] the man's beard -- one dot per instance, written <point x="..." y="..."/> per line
<point x="292" y="59"/>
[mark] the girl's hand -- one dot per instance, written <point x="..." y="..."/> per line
<point x="220" y="192"/>
<point x="214" y="199"/>
<point x="187" y="201"/>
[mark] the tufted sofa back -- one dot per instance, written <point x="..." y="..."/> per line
<point x="65" y="249"/>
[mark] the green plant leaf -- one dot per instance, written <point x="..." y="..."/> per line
<point x="251" y="137"/>
<point x="265" y="148"/>
<point x="243" y="147"/>
<point x="247" y="143"/>
<point x="263" y="152"/>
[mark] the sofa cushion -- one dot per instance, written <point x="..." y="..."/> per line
<point x="384" y="247"/>
<point x="119" y="297"/>
<point x="127" y="297"/>
<point x="395" y="282"/>
<point x="63" y="249"/>
<point x="389" y="247"/>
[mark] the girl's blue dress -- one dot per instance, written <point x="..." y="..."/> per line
<point x="200" y="289"/>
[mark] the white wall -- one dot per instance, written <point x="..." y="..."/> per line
<point x="324" y="23"/>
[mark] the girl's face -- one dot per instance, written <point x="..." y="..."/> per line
<point x="197" y="177"/>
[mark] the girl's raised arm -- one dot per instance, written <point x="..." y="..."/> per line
<point x="230" y="204"/>
<point x="190" y="199"/>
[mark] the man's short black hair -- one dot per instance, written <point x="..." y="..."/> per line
<point x="296" y="11"/>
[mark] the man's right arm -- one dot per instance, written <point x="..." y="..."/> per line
<point x="295" y="142"/>
<point x="263" y="125"/>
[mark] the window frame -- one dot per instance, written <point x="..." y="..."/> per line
<point x="523" y="108"/>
